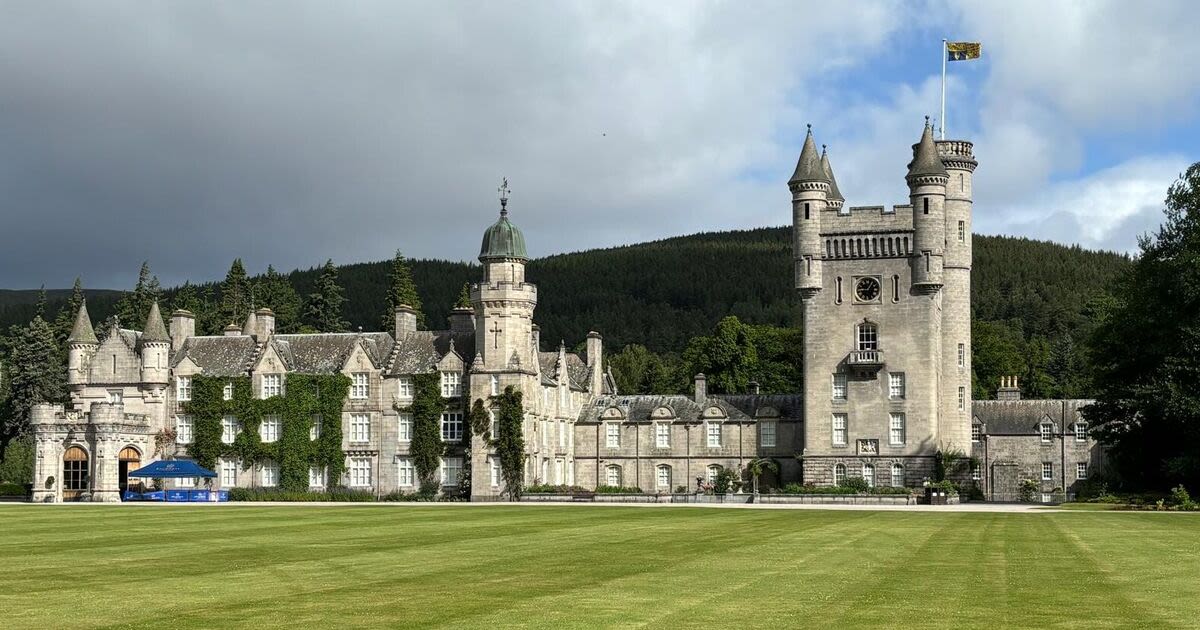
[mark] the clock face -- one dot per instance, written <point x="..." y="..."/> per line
<point x="867" y="289"/>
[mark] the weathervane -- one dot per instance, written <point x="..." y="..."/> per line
<point x="503" y="190"/>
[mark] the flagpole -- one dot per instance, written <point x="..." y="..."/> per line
<point x="942" y="120"/>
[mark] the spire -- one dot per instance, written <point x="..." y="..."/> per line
<point x="250" y="325"/>
<point x="82" y="331"/>
<point x="834" y="193"/>
<point x="808" y="167"/>
<point x="926" y="160"/>
<point x="154" y="329"/>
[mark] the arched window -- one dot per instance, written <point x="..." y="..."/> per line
<point x="839" y="474"/>
<point x="868" y="473"/>
<point x="898" y="475"/>
<point x="837" y="295"/>
<point x="76" y="475"/>
<point x="662" y="476"/>
<point x="868" y="336"/>
<point x="612" y="475"/>
<point x="713" y="471"/>
<point x="905" y="251"/>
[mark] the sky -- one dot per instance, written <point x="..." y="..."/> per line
<point x="188" y="134"/>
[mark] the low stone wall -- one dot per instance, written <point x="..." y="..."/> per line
<point x="844" y="499"/>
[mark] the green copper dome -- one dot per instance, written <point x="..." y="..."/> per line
<point x="503" y="240"/>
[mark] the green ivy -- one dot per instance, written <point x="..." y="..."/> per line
<point x="305" y="398"/>
<point x="510" y="441"/>
<point x="426" y="448"/>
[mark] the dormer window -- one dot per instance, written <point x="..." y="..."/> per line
<point x="272" y="385"/>
<point x="976" y="432"/>
<point x="360" y="386"/>
<point x="1046" y="432"/>
<point x="451" y="384"/>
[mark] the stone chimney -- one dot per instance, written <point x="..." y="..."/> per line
<point x="462" y="320"/>
<point x="406" y="321"/>
<point x="232" y="330"/>
<point x="537" y="339"/>
<point x="754" y="388"/>
<point x="183" y="325"/>
<point x="1008" y="389"/>
<point x="701" y="388"/>
<point x="264" y="323"/>
<point x="595" y="359"/>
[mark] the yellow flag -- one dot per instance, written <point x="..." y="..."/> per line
<point x="962" y="51"/>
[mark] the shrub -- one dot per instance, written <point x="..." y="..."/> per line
<point x="795" y="488"/>
<point x="275" y="494"/>
<point x="1027" y="490"/>
<point x="617" y="490"/>
<point x="420" y="496"/>
<point x="546" y="488"/>
<point x="681" y="489"/>
<point x="857" y="484"/>
<point x="727" y="481"/>
<point x="8" y="489"/>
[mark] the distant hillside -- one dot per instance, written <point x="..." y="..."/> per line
<point x="663" y="293"/>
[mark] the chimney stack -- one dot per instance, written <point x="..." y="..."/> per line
<point x="701" y="388"/>
<point x="462" y="320"/>
<point x="1009" y="390"/>
<point x="264" y="323"/>
<point x="183" y="325"/>
<point x="754" y="387"/>
<point x="232" y="330"/>
<point x="406" y="321"/>
<point x="595" y="359"/>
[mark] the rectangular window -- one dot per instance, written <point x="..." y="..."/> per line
<point x="227" y="391"/>
<point x="976" y="433"/>
<point x="976" y="473"/>
<point x="766" y="432"/>
<point x="404" y="427"/>
<point x="316" y="477"/>
<point x="839" y="387"/>
<point x="1046" y="432"/>
<point x="962" y="355"/>
<point x="494" y="464"/>
<point x="229" y="473"/>
<point x="839" y="429"/>
<point x="405" y="472"/>
<point x="1047" y="471"/>
<point x="1081" y="470"/>
<point x="868" y="337"/>
<point x="898" y="475"/>
<point x="116" y="396"/>
<point x="962" y="231"/>
<point x="495" y="384"/>
<point x="405" y="385"/>
<point x="451" y="384"/>
<point x="451" y="469"/>
<point x="714" y="434"/>
<point x="962" y="398"/>
<point x="270" y="474"/>
<point x="896" y="429"/>
<point x="314" y="430"/>
<point x="663" y="476"/>
<point x="268" y="429"/>
<point x="1081" y="431"/>
<point x="360" y="386"/>
<point x="612" y="435"/>
<point x="662" y="435"/>
<point x="360" y="472"/>
<point x="562" y="434"/>
<point x="183" y="430"/>
<point x="452" y="427"/>
<point x="896" y="385"/>
<point x="360" y="427"/>
<point x="612" y="476"/>
<point x="183" y="388"/>
<point x="230" y="427"/>
<point x="272" y="385"/>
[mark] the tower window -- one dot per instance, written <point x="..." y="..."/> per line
<point x="868" y="337"/>
<point x="806" y="211"/>
<point x="837" y="296"/>
<point x="962" y="231"/>
<point x="925" y="209"/>
<point x="895" y="288"/>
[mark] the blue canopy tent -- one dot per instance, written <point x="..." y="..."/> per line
<point x="174" y="469"/>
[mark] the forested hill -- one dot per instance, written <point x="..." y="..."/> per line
<point x="663" y="293"/>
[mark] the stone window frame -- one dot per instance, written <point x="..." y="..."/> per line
<point x="897" y="471"/>
<point x="711" y="471"/>
<point x="1081" y="431"/>
<point x="866" y="335"/>
<point x="452" y="429"/>
<point x="271" y="385"/>
<point x="359" y="472"/>
<point x="230" y="426"/>
<point x="612" y="435"/>
<point x="270" y="427"/>
<point x="318" y="477"/>
<point x="976" y="432"/>
<point x="893" y="417"/>
<point x="1047" y="471"/>
<point x="360" y="386"/>
<point x="712" y="427"/>
<point x="658" y="476"/>
<point x="183" y="388"/>
<point x="229" y="472"/>
<point x="763" y="433"/>
<point x="181" y="436"/>
<point x="839" y="474"/>
<point x="314" y="430"/>
<point x="406" y="473"/>
<point x="662" y="435"/>
<point x="841" y="385"/>
<point x="609" y="471"/>
<point x="868" y="474"/>
<point x="1081" y="471"/>
<point x="1046" y="432"/>
<point x="360" y="428"/>
<point x="451" y="383"/>
<point x="897" y="386"/>
<point x="843" y="431"/>
<point x="268" y="473"/>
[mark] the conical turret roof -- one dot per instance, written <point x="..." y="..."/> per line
<point x="251" y="324"/>
<point x="835" y="194"/>
<point x="154" y="329"/>
<point x="926" y="160"/>
<point x="808" y="167"/>
<point x="82" y="331"/>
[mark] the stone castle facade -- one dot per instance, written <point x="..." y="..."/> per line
<point x="885" y="295"/>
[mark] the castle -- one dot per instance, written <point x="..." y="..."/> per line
<point x="885" y="295"/>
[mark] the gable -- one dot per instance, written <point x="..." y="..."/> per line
<point x="114" y="362"/>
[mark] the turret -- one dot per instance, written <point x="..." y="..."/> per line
<point x="264" y="323"/>
<point x="503" y="302"/>
<point x="835" y="198"/>
<point x="927" y="180"/>
<point x="156" y="349"/>
<point x="81" y="344"/>
<point x="959" y="159"/>
<point x="810" y="193"/>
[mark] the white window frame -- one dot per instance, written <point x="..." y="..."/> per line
<point x="1081" y="470"/>
<point x="976" y="432"/>
<point x="360" y="472"/>
<point x="867" y="337"/>
<point x="962" y="398"/>
<point x="452" y="426"/>
<point x="612" y="475"/>
<point x="184" y="429"/>
<point x="840" y="386"/>
<point x="1081" y="432"/>
<point x="711" y="472"/>
<point x="451" y="384"/>
<point x="360" y="386"/>
<point x="115" y="396"/>
<point x="897" y="429"/>
<point x="451" y="469"/>
<point x="272" y="385"/>
<point x="839" y="474"/>
<point x="229" y="473"/>
<point x="227" y="391"/>
<point x="1047" y="471"/>
<point x="712" y="434"/>
<point x="495" y="384"/>
<point x="962" y="355"/>
<point x="976" y="472"/>
<point x="662" y="476"/>
<point x="662" y="435"/>
<point x="269" y="428"/>
<point x="404" y="387"/>
<point x="360" y="428"/>
<point x="230" y="428"/>
<point x="406" y="473"/>
<point x="318" y="477"/>
<point x="840" y="429"/>
<point x="612" y="435"/>
<point x="183" y="388"/>
<point x="1046" y="432"/>
<point x="269" y="474"/>
<point x="896" y="386"/>
<point x="185" y="482"/>
<point x="314" y="429"/>
<point x="404" y="427"/>
<point x="868" y="474"/>
<point x="768" y="433"/>
<point x="494" y="467"/>
<point x="897" y="475"/>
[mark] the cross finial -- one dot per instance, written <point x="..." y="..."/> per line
<point x="503" y="190"/>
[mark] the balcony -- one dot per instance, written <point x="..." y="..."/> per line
<point x="865" y="361"/>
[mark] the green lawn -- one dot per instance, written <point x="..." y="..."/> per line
<point x="552" y="567"/>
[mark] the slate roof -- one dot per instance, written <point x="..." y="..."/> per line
<point x="578" y="371"/>
<point x="788" y="405"/>
<point x="154" y="329"/>
<point x="219" y="356"/>
<point x="638" y="408"/>
<point x="326" y="353"/>
<point x="1021" y="417"/>
<point x="835" y="194"/>
<point x="82" y="331"/>
<point x="808" y="167"/>
<point x="420" y="351"/>
<point x="926" y="160"/>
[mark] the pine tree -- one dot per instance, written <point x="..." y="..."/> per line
<point x="235" y="294"/>
<point x="401" y="291"/>
<point x="65" y="318"/>
<point x="274" y="291"/>
<point x="133" y="308"/>
<point x="37" y="375"/>
<point x="464" y="296"/>
<point x="323" y="310"/>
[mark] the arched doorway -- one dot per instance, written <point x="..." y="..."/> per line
<point x="76" y="473"/>
<point x="130" y="459"/>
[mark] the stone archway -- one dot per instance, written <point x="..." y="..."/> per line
<point x="77" y="474"/>
<point x="130" y="459"/>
